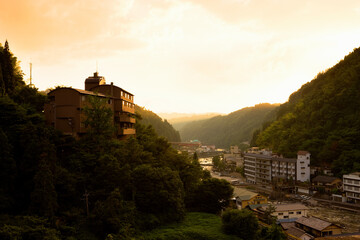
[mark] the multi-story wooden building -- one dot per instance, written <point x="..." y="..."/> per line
<point x="263" y="168"/>
<point x="65" y="108"/>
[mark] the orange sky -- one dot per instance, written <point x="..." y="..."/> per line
<point x="182" y="55"/>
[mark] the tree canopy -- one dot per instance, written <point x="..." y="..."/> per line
<point x="232" y="129"/>
<point x="322" y="117"/>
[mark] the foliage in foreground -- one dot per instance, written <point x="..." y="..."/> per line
<point x="195" y="226"/>
<point x="244" y="224"/>
<point x="54" y="185"/>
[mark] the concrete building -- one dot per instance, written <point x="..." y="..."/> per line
<point x="263" y="168"/>
<point x="303" y="166"/>
<point x="65" y="108"/>
<point x="351" y="187"/>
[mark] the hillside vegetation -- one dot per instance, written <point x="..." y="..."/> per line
<point x="322" y="117"/>
<point x="162" y="127"/>
<point x="196" y="225"/>
<point x="180" y="122"/>
<point x="234" y="128"/>
<point x="54" y="186"/>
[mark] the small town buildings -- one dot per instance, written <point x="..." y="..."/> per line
<point x="327" y="182"/>
<point x="317" y="227"/>
<point x="263" y="168"/>
<point x="293" y="232"/>
<point x="298" y="233"/>
<point x="245" y="197"/>
<point x="316" y="170"/>
<point x="65" y="109"/>
<point x="189" y="147"/>
<point x="351" y="187"/>
<point x="287" y="211"/>
<point x="234" y="157"/>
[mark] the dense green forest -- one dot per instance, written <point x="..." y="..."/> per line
<point x="322" y="117"/>
<point x="234" y="128"/>
<point x="162" y="127"/>
<point x="97" y="187"/>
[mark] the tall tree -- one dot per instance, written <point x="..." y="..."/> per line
<point x="44" y="196"/>
<point x="98" y="121"/>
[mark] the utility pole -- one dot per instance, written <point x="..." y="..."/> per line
<point x="31" y="85"/>
<point x="86" y="195"/>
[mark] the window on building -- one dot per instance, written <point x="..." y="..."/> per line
<point x="280" y="213"/>
<point x="291" y="212"/>
<point x="299" y="212"/>
<point x="286" y="216"/>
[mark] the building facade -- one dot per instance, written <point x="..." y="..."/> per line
<point x="351" y="187"/>
<point x="263" y="168"/>
<point x="64" y="111"/>
<point x="286" y="211"/>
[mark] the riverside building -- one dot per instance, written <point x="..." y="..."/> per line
<point x="263" y="168"/>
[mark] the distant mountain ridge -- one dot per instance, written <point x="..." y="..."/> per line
<point x="162" y="127"/>
<point x="179" y="122"/>
<point x="322" y="117"/>
<point x="234" y="128"/>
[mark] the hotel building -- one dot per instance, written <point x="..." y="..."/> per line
<point x="64" y="111"/>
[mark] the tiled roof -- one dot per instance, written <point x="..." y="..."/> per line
<point x="288" y="207"/>
<point x="287" y="225"/>
<point x="324" y="179"/>
<point x="297" y="232"/>
<point x="270" y="157"/>
<point x="243" y="194"/>
<point x="89" y="92"/>
<point x="255" y="206"/>
<point x="302" y="152"/>
<point x="315" y="223"/>
<point x="79" y="91"/>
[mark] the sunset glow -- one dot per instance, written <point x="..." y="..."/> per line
<point x="182" y="55"/>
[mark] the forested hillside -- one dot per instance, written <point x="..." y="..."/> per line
<point x="322" y="117"/>
<point x="54" y="186"/>
<point x="180" y="122"/>
<point x="162" y="128"/>
<point x="234" y="128"/>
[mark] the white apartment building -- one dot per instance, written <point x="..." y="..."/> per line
<point x="351" y="187"/>
<point x="262" y="168"/>
<point x="303" y="166"/>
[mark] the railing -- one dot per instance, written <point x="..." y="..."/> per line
<point x="125" y="118"/>
<point x="126" y="131"/>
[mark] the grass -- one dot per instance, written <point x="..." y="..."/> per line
<point x="196" y="226"/>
